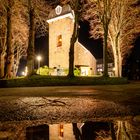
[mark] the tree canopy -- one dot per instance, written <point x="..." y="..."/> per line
<point x="123" y="26"/>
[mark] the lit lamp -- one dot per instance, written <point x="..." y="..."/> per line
<point x="23" y="73"/>
<point x="39" y="59"/>
<point x="113" y="69"/>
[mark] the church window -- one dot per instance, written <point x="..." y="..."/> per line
<point x="59" y="41"/>
<point x="61" y="130"/>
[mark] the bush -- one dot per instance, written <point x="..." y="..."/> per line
<point x="43" y="70"/>
<point x="39" y="80"/>
<point x="76" y="72"/>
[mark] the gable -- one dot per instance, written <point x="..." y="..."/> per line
<point x="60" y="13"/>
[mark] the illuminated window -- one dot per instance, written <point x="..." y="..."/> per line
<point x="59" y="41"/>
<point x="61" y="130"/>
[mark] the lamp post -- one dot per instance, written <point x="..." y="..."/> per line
<point x="39" y="59"/>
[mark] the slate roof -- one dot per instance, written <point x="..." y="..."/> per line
<point x="65" y="10"/>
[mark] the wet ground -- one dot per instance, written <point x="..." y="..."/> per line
<point x="54" y="109"/>
<point x="54" y="104"/>
<point x="22" y="108"/>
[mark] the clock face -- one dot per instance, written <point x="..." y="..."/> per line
<point x="58" y="10"/>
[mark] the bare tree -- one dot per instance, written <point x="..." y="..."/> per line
<point x="31" y="40"/>
<point x="76" y="6"/>
<point x="15" y="46"/>
<point x="18" y="37"/>
<point x="9" y="51"/>
<point x="125" y="24"/>
<point x="2" y="37"/>
<point x="19" y="34"/>
<point x="38" y="11"/>
<point x="101" y="11"/>
<point x="123" y="27"/>
<point x="123" y="130"/>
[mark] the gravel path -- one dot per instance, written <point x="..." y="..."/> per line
<point x="57" y="104"/>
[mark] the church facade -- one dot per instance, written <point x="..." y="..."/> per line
<point x="61" y="24"/>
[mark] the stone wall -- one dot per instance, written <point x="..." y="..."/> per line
<point x="60" y="55"/>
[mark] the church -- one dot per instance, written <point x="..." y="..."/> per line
<point x="61" y="24"/>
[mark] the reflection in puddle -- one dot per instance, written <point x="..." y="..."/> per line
<point x="71" y="131"/>
<point x="37" y="132"/>
<point x="117" y="130"/>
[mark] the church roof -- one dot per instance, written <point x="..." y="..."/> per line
<point x="60" y="11"/>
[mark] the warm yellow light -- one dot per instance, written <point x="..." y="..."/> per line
<point x="61" y="130"/>
<point x="23" y="73"/>
<point x="114" y="69"/>
<point x="39" y="57"/>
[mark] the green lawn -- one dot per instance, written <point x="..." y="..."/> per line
<point x="38" y="80"/>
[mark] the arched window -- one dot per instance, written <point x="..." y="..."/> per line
<point x="59" y="41"/>
<point x="61" y="131"/>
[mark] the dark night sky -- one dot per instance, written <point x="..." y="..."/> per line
<point x="136" y="50"/>
<point x="94" y="46"/>
<point x="41" y="45"/>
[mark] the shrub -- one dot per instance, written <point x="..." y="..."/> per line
<point x="43" y="70"/>
<point x="76" y="72"/>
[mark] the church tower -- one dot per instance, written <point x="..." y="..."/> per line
<point x="61" y="22"/>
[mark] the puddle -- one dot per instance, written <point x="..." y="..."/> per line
<point x="90" y="130"/>
<point x="64" y="118"/>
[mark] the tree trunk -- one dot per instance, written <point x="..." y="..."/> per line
<point x="113" y="135"/>
<point x="16" y="65"/>
<point x="1" y="61"/>
<point x="73" y="40"/>
<point x="105" y="60"/>
<point x="120" y="61"/>
<point x="76" y="132"/>
<point x="116" y="65"/>
<point x="105" y="21"/>
<point x="120" y="66"/>
<point x="71" y="60"/>
<point x="123" y="133"/>
<point x="17" y="60"/>
<point x="117" y="58"/>
<point x="30" y="50"/>
<point x="1" y="65"/>
<point x="9" y="51"/>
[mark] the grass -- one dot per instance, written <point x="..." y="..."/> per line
<point x="38" y="80"/>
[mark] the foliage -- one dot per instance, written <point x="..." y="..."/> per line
<point x="2" y="37"/>
<point x="123" y="28"/>
<point x="43" y="70"/>
<point x="38" y="11"/>
<point x="18" y="33"/>
<point x="37" y="80"/>
<point x="20" y="30"/>
<point x="123" y="18"/>
<point x="76" y="5"/>
<point x="9" y="50"/>
<point x="76" y="72"/>
<point x="123" y="31"/>
<point x="101" y="11"/>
